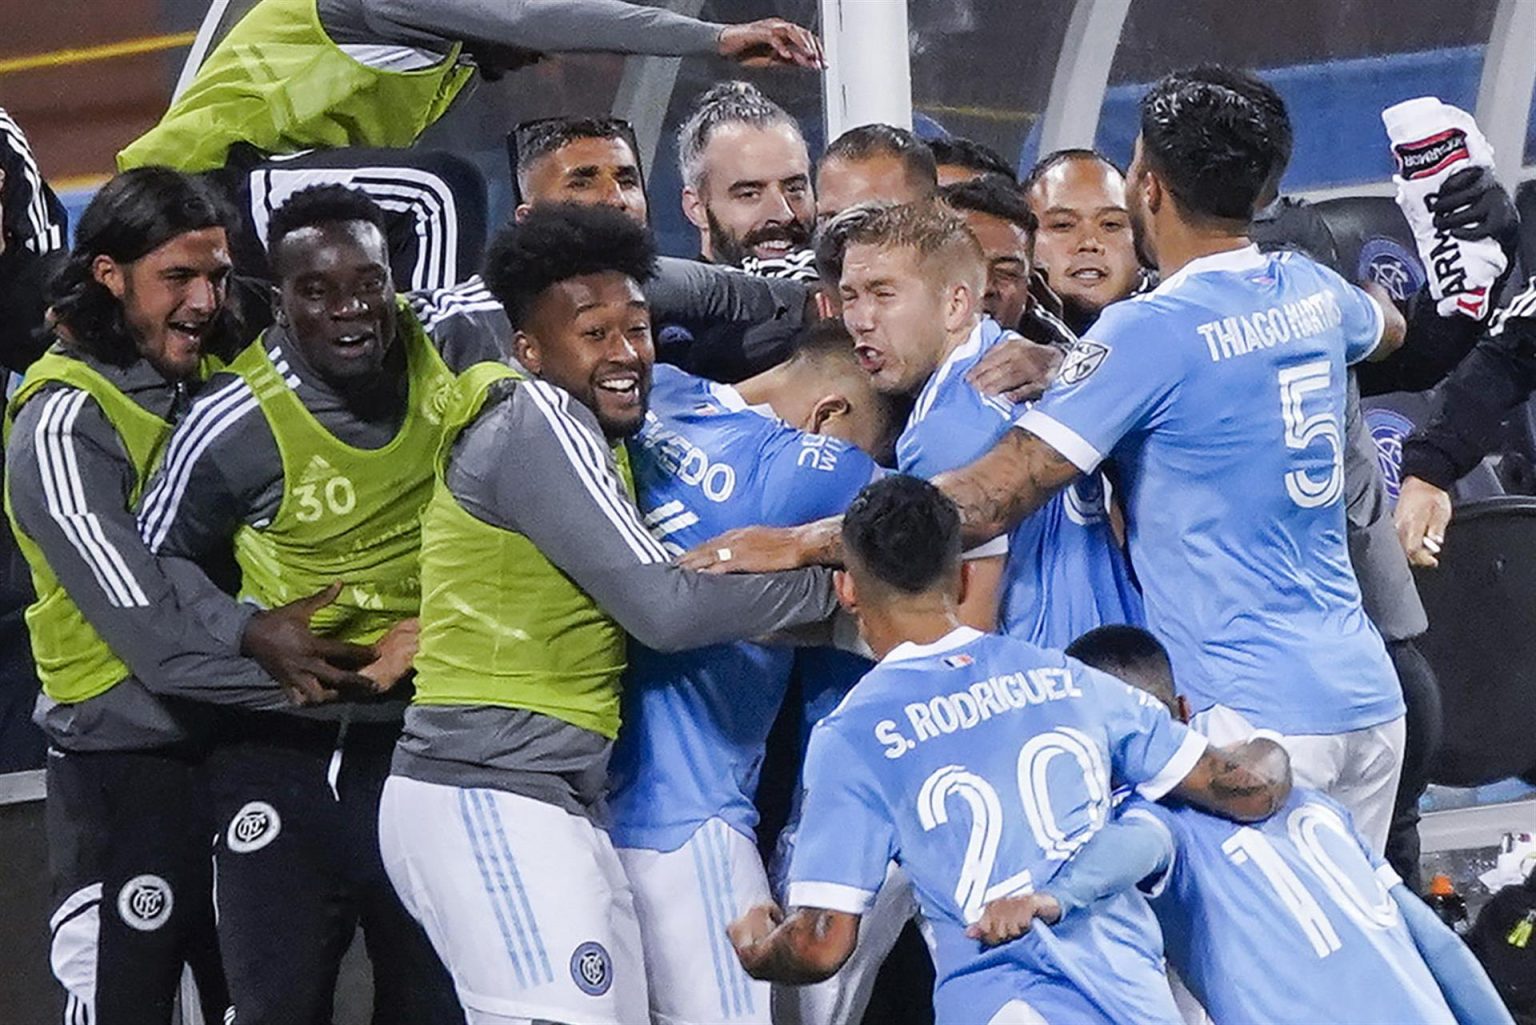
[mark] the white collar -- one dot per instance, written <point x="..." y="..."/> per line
<point x="907" y="650"/>
<point x="1231" y="261"/>
<point x="731" y="399"/>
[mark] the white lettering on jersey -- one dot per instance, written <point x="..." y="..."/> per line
<point x="1304" y="318"/>
<point x="968" y="708"/>
<point x="687" y="462"/>
<point x="819" y="452"/>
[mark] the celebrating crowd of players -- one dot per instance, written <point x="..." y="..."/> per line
<point x="455" y="615"/>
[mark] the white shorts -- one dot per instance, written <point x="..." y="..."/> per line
<point x="685" y="899"/>
<point x="526" y="904"/>
<point x="842" y="999"/>
<point x="1359" y="769"/>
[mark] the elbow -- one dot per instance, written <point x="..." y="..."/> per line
<point x="660" y="628"/>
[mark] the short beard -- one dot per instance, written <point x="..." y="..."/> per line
<point x="731" y="249"/>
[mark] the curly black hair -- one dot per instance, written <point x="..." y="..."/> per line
<point x="905" y="532"/>
<point x="560" y="241"/>
<point x="1216" y="137"/>
<point x="321" y="204"/>
<point x="131" y="216"/>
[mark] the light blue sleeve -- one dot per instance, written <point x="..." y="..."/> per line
<point x="1147" y="748"/>
<point x="1122" y="854"/>
<point x="846" y="837"/>
<point x="1115" y="381"/>
<point x="1363" y="320"/>
<point x="958" y="428"/>
<point x="1466" y="987"/>
<point x="813" y="477"/>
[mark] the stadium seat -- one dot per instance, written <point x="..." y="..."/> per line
<point x="1485" y="659"/>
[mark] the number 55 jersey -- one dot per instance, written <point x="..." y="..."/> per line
<point x="980" y="763"/>
<point x="1219" y="396"/>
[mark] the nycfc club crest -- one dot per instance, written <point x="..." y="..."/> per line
<point x="1388" y="429"/>
<point x="254" y="826"/>
<point x="1391" y="266"/>
<point x="145" y="902"/>
<point x="592" y="969"/>
<point x="1082" y="361"/>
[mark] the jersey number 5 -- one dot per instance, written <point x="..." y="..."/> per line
<point x="1303" y="430"/>
<point x="1056" y="839"/>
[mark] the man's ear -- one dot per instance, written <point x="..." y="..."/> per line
<point x="525" y="349"/>
<point x="521" y="213"/>
<point x="964" y="301"/>
<point x="824" y="305"/>
<point x="847" y="594"/>
<point x="110" y="274"/>
<point x="827" y="409"/>
<point x="694" y="210"/>
<point x="1152" y="191"/>
<point x="965" y="582"/>
<point x="276" y="297"/>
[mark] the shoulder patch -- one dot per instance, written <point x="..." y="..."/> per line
<point x="1082" y="361"/>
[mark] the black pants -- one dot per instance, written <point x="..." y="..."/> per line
<point x="299" y="870"/>
<point x="132" y="884"/>
<point x="1421" y="693"/>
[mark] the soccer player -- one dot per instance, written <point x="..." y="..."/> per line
<point x="116" y="635"/>
<point x="912" y="286"/>
<point x="979" y="763"/>
<point x="535" y="564"/>
<point x="1082" y="241"/>
<point x="309" y="460"/>
<point x="788" y="447"/>
<point x="873" y="164"/>
<point x="1220" y="397"/>
<point x="746" y="178"/>
<point x="1290" y="919"/>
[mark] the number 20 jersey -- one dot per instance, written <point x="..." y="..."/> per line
<point x="980" y="763"/>
<point x="1220" y="398"/>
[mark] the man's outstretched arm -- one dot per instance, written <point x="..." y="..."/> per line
<point x="1020" y="474"/>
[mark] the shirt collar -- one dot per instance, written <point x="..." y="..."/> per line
<point x="907" y="650"/>
<point x="1232" y="261"/>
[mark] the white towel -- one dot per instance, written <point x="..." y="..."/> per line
<point x="1431" y="141"/>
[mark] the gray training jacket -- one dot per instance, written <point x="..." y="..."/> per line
<point x="536" y="462"/>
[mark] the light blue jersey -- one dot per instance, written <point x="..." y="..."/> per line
<point x="1220" y="397"/>
<point x="1065" y="575"/>
<point x="695" y="722"/>
<point x="1288" y="919"/>
<point x="980" y="763"/>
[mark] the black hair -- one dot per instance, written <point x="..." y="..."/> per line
<point x="1215" y="137"/>
<point x="130" y="217"/>
<point x="971" y="155"/>
<point x="560" y="241"/>
<point x="534" y="139"/>
<point x="993" y="195"/>
<point x="1130" y="653"/>
<point x="1056" y="158"/>
<point x="905" y="532"/>
<point x="868" y="141"/>
<point x="332" y="203"/>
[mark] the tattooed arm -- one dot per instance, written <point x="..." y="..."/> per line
<point x="1018" y="476"/>
<point x="807" y="947"/>
<point x="1245" y="782"/>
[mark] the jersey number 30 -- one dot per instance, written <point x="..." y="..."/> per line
<point x="1304" y="429"/>
<point x="1057" y="839"/>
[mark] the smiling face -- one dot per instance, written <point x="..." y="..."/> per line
<point x="171" y="297"/>
<point x="755" y="197"/>
<point x="1083" y="243"/>
<point x="336" y="298"/>
<point x="591" y="335"/>
<point x="593" y="172"/>
<point x="896" y="314"/>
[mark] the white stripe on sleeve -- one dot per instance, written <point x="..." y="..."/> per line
<point x="210" y="416"/>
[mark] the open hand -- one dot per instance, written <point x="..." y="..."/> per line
<point x="1008" y="918"/>
<point x="312" y="670"/>
<point x="748" y="550"/>
<point x="1422" y="514"/>
<point x="395" y="652"/>
<point x="771" y="42"/>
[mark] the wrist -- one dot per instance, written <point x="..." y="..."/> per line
<point x="821" y="543"/>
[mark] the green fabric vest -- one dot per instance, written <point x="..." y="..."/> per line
<point x="73" y="662"/>
<point x="500" y="624"/>
<point x="278" y="82"/>
<point x="346" y="514"/>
